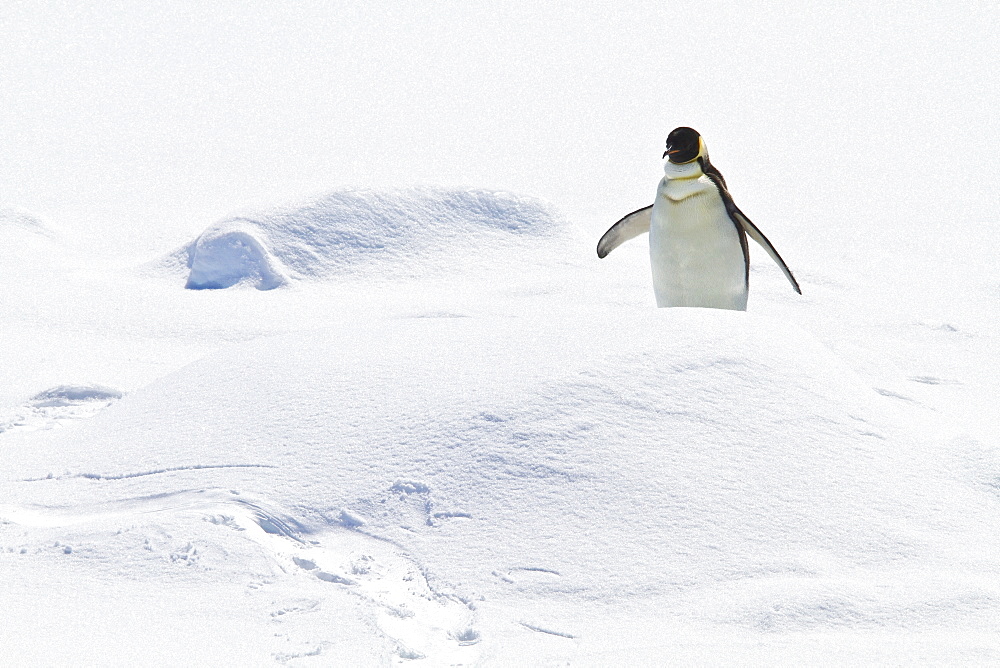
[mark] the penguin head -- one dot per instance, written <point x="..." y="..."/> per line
<point x="684" y="145"/>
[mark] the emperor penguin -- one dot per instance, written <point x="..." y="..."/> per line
<point x="697" y="235"/>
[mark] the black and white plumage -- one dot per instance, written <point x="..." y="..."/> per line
<point x="697" y="235"/>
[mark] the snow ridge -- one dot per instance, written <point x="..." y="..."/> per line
<point x="376" y="234"/>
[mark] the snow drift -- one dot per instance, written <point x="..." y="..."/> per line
<point x="230" y="253"/>
<point x="25" y="236"/>
<point x="726" y="471"/>
<point x="60" y="404"/>
<point x="376" y="234"/>
<point x="414" y="458"/>
<point x="18" y="219"/>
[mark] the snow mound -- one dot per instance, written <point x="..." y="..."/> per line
<point x="726" y="471"/>
<point x="68" y="395"/>
<point x="381" y="234"/>
<point x="59" y="405"/>
<point x="230" y="253"/>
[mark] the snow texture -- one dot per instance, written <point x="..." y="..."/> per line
<point x="375" y="234"/>
<point x="13" y="221"/>
<point x="58" y="404"/>
<point x="26" y="236"/>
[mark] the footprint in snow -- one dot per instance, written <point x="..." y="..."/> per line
<point x="59" y="405"/>
<point x="423" y="624"/>
<point x="407" y="504"/>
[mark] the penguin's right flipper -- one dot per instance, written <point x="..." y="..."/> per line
<point x="629" y="227"/>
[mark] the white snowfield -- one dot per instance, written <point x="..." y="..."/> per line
<point x="429" y="427"/>
<point x="403" y="233"/>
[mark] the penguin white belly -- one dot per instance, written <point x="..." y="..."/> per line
<point x="694" y="248"/>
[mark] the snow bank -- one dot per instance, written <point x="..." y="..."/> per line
<point x="231" y="253"/>
<point x="379" y="234"/>
<point x="69" y="395"/>
<point x="720" y="471"/>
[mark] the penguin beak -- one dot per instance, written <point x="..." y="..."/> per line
<point x="669" y="152"/>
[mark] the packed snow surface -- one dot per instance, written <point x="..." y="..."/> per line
<point x="375" y="234"/>
<point x="456" y="437"/>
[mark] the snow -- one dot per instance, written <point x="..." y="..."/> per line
<point x="405" y="424"/>
<point x="58" y="404"/>
<point x="376" y="234"/>
<point x="391" y="467"/>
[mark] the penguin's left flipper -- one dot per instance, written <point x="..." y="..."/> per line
<point x="740" y="219"/>
<point x="759" y="237"/>
<point x="629" y="227"/>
